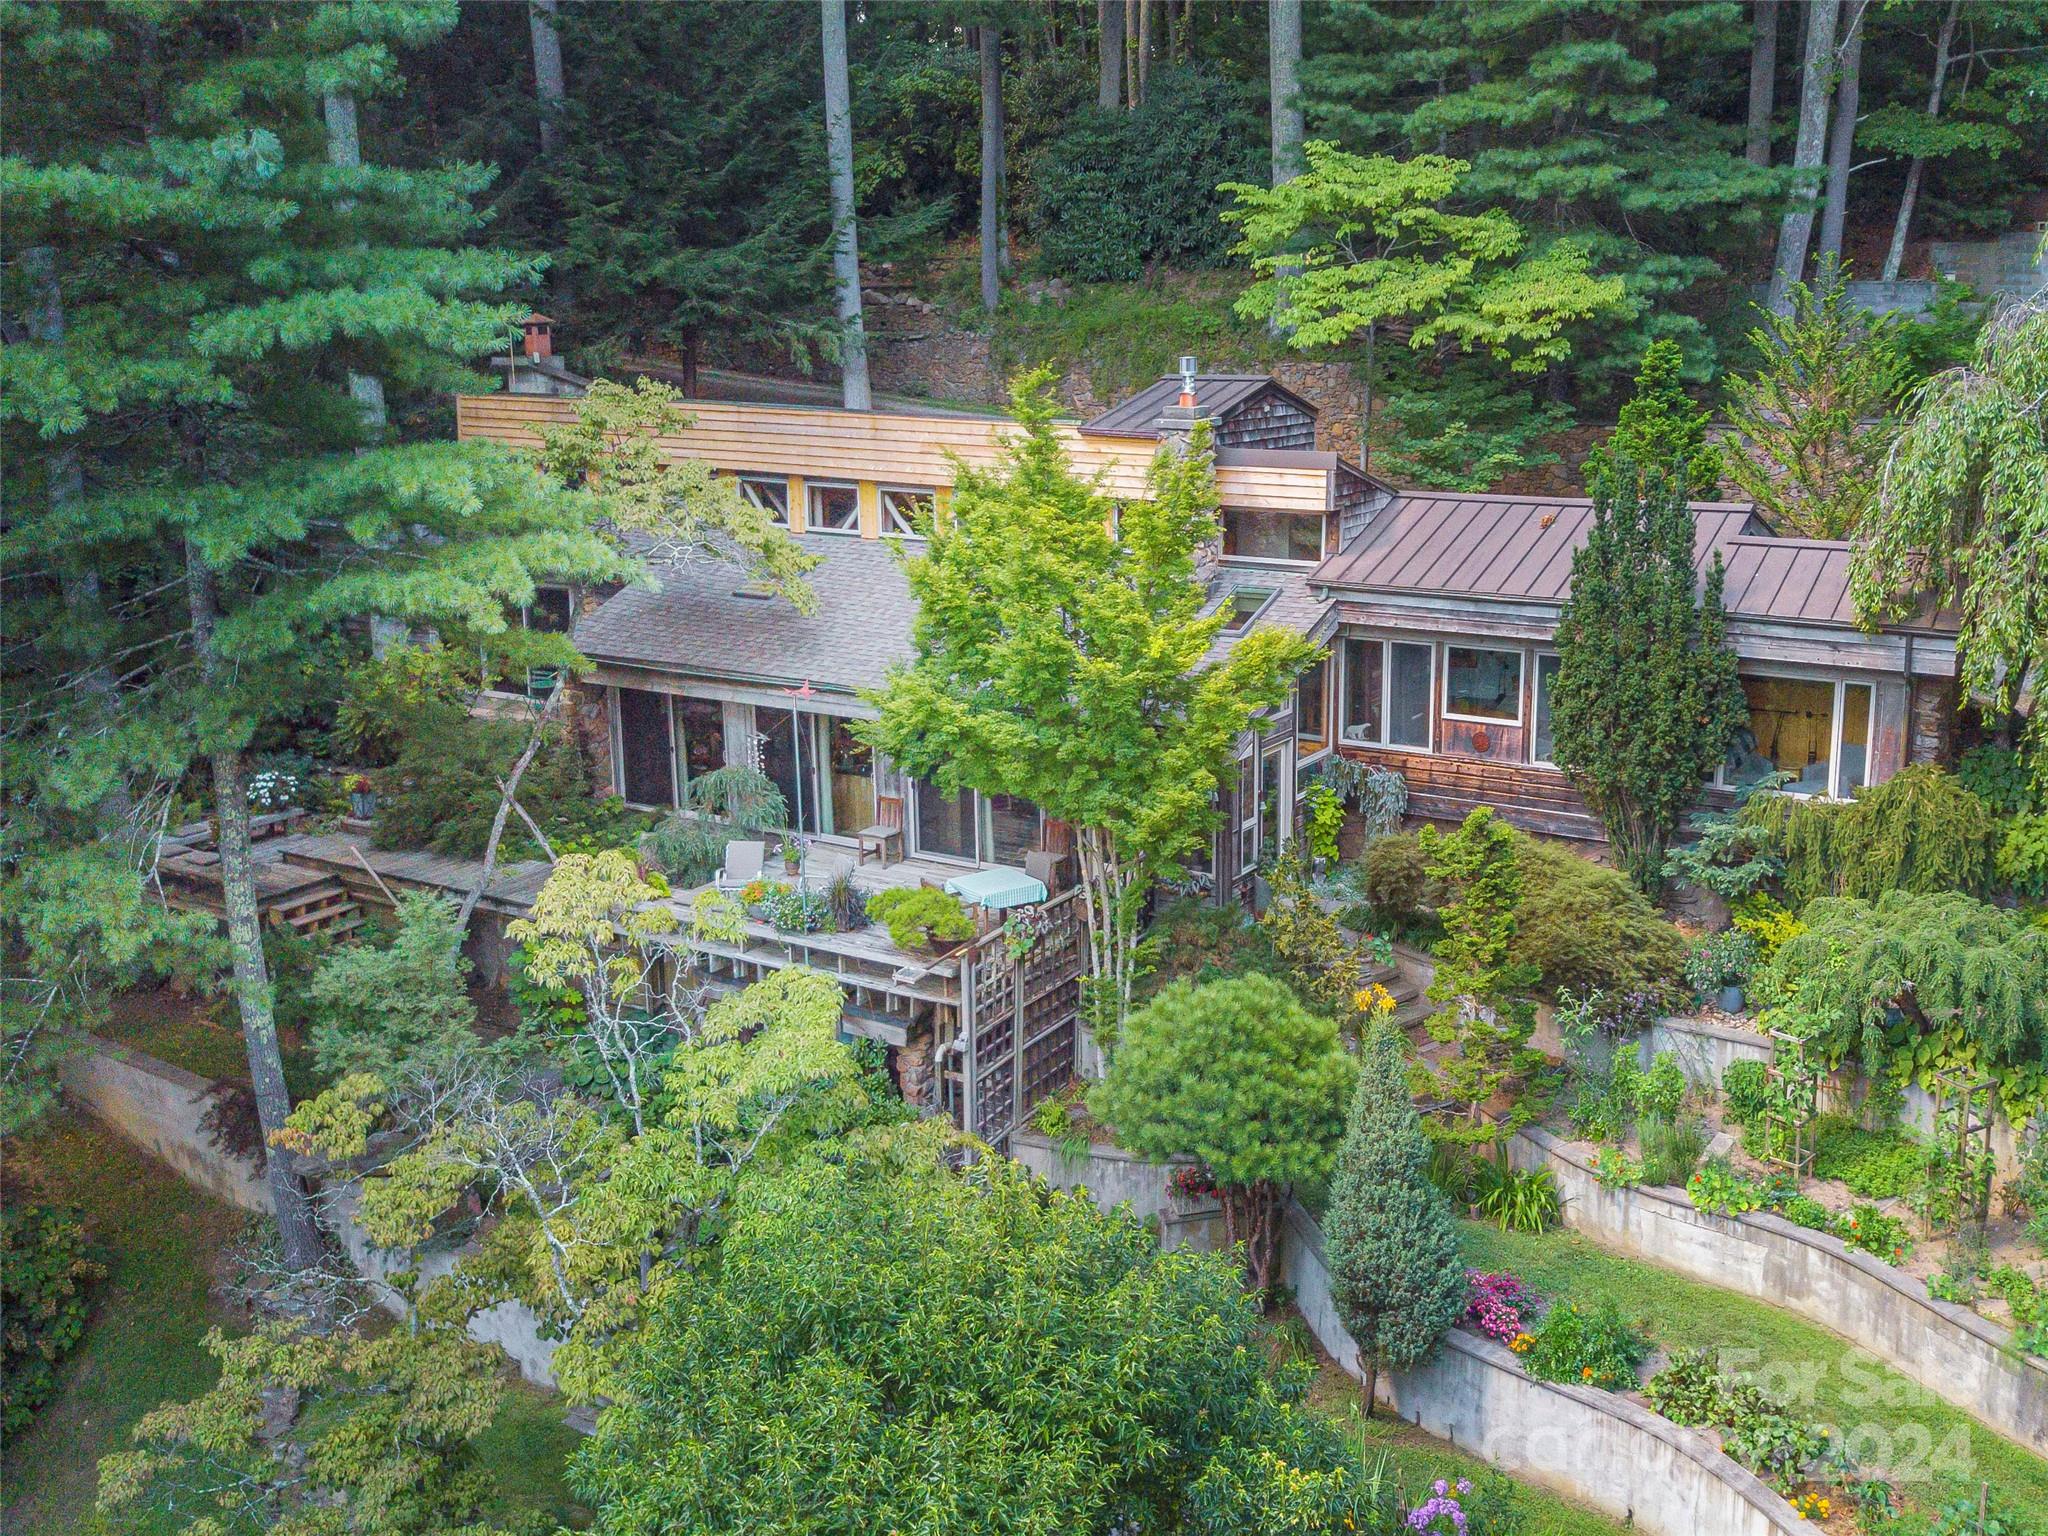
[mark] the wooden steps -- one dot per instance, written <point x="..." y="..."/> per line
<point x="304" y="901"/>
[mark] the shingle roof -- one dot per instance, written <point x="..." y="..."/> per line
<point x="1294" y="605"/>
<point x="1520" y="548"/>
<point x="701" y="623"/>
<point x="1216" y="396"/>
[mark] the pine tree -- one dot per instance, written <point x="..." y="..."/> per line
<point x="225" y="283"/>
<point x="1395" y="1269"/>
<point x="1646" y="699"/>
<point x="1660" y="428"/>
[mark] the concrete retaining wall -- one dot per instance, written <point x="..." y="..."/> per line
<point x="1115" y="1177"/>
<point x="1947" y="1349"/>
<point x="1595" y="1447"/>
<point x="157" y="1107"/>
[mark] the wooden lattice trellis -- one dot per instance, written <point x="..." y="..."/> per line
<point x="1793" y="1080"/>
<point x="1023" y="1019"/>
<point x="1963" y="1106"/>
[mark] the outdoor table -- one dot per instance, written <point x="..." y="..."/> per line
<point x="998" y="886"/>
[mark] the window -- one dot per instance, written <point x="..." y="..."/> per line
<point x="789" y="757"/>
<point x="1272" y="801"/>
<point x="1540" y="743"/>
<point x="646" y="755"/>
<point x="700" y="736"/>
<point x="853" y="779"/>
<point x="1482" y="684"/>
<point x="903" y="509"/>
<point x="1248" y="812"/>
<point x="1312" y="708"/>
<point x="1242" y="606"/>
<point x="1011" y="827"/>
<point x="1365" y="688"/>
<point x="552" y="611"/>
<point x="945" y="823"/>
<point x="1816" y="730"/>
<point x="1249" y="534"/>
<point x="768" y="492"/>
<point x="1408" y="689"/>
<point x="831" y="508"/>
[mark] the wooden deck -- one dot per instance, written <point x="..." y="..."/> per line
<point x="343" y="857"/>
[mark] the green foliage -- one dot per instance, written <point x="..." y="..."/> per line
<point x="1068" y="665"/>
<point x="2022" y="861"/>
<point x="1959" y="517"/>
<point x="1196" y="940"/>
<point x="1920" y="830"/>
<point x="1461" y="428"/>
<point x="1720" y="1191"/>
<point x="1395" y="1271"/>
<point x="921" y="917"/>
<point x="385" y="1429"/>
<point x="1689" y="1390"/>
<point x="1238" y="1074"/>
<point x="1514" y="1199"/>
<point x="1728" y="854"/>
<point x="1357" y="240"/>
<point x="1768" y="921"/>
<point x="377" y="1006"/>
<point x="44" y="1279"/>
<point x="1814" y="413"/>
<point x="1909" y="984"/>
<point x="1120" y="190"/>
<point x="1745" y="1089"/>
<point x="1324" y="814"/>
<point x="1756" y="1429"/>
<point x="1646" y="699"/>
<point x="1877" y="1232"/>
<point x="1879" y="1165"/>
<point x="1662" y="1089"/>
<point x="1583" y="925"/>
<point x="1483" y="989"/>
<point x="1122" y="336"/>
<point x="1078" y="1376"/>
<point x="1999" y="777"/>
<point x="1671" y="1148"/>
<point x="1325" y="968"/>
<point x="1660" y="430"/>
<point x="1592" y="1347"/>
<point x="730" y="802"/>
<point x="383" y="699"/>
<point x="1723" y="959"/>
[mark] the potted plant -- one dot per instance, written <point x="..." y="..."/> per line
<point x="922" y="918"/>
<point x="362" y="796"/>
<point x="1719" y="967"/>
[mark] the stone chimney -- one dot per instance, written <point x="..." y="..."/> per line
<point x="1177" y="422"/>
<point x="537" y="335"/>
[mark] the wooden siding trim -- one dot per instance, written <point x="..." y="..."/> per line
<point x="875" y="446"/>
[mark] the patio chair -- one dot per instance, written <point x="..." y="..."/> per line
<point x="1043" y="865"/>
<point x="743" y="862"/>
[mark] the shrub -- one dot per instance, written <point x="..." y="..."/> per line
<point x="2023" y="857"/>
<point x="1119" y="190"/>
<point x="1919" y="831"/>
<point x="847" y="902"/>
<point x="375" y="1006"/>
<point x="1584" y="925"/>
<point x="1875" y="1232"/>
<point x="1878" y="1165"/>
<point x="1720" y="960"/>
<point x="444" y="791"/>
<point x="1671" y="1149"/>
<point x="1662" y="1089"/>
<point x="1767" y="921"/>
<point x="1999" y="777"/>
<point x="383" y="700"/>
<point x="1596" y="1347"/>
<point x="920" y="917"/>
<point x="1691" y="1389"/>
<point x="1498" y="1304"/>
<point x="1720" y="1191"/>
<point x="1746" y="1090"/>
<point x="1515" y="1199"/>
<point x="1776" y="1445"/>
<point x="1804" y="1211"/>
<point x="44" y="1274"/>
<point x="1397" y="884"/>
<point x="1615" y="1169"/>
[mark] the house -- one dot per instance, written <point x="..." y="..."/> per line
<point x="1437" y="610"/>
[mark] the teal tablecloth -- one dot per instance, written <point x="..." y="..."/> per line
<point x="997" y="887"/>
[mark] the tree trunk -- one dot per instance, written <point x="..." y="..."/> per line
<point x="547" y="71"/>
<point x="1763" y="80"/>
<point x="1283" y="37"/>
<point x="1251" y="1216"/>
<point x="1109" y="90"/>
<point x="1795" y="230"/>
<point x="1902" y="226"/>
<point x="1144" y="47"/>
<point x="1842" y="139"/>
<point x="853" y="351"/>
<point x="991" y="163"/>
<point x="300" y="1237"/>
<point x="345" y="152"/>
<point x="1131" y="53"/>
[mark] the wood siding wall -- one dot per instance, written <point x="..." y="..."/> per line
<point x="884" y="449"/>
<point x="1269" y="420"/>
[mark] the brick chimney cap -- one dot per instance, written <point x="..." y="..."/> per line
<point x="537" y="318"/>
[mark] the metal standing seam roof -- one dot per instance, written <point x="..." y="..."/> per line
<point x="1216" y="396"/>
<point x="1520" y="548"/>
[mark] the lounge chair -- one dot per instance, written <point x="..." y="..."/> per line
<point x="743" y="862"/>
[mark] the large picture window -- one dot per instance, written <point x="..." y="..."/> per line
<point x="1312" y="708"/>
<point x="1365" y="691"/>
<point x="1815" y="729"/>
<point x="1483" y="684"/>
<point x="1408" y="693"/>
<point x="1294" y="537"/>
<point x="1387" y="693"/>
<point x="1541" y="741"/>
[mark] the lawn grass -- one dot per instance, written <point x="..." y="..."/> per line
<point x="526" y="1452"/>
<point x="1932" y="1451"/>
<point x="1417" y="1458"/>
<point x="156" y="1235"/>
<point x="189" y="1032"/>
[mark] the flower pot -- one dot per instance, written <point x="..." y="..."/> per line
<point x="1729" y="1000"/>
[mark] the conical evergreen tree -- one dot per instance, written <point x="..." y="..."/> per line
<point x="222" y="281"/>
<point x="1661" y="428"/>
<point x="1395" y="1269"/>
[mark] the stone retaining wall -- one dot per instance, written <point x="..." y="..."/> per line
<point x="1115" y="1177"/>
<point x="1947" y="1349"/>
<point x="1595" y="1447"/>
